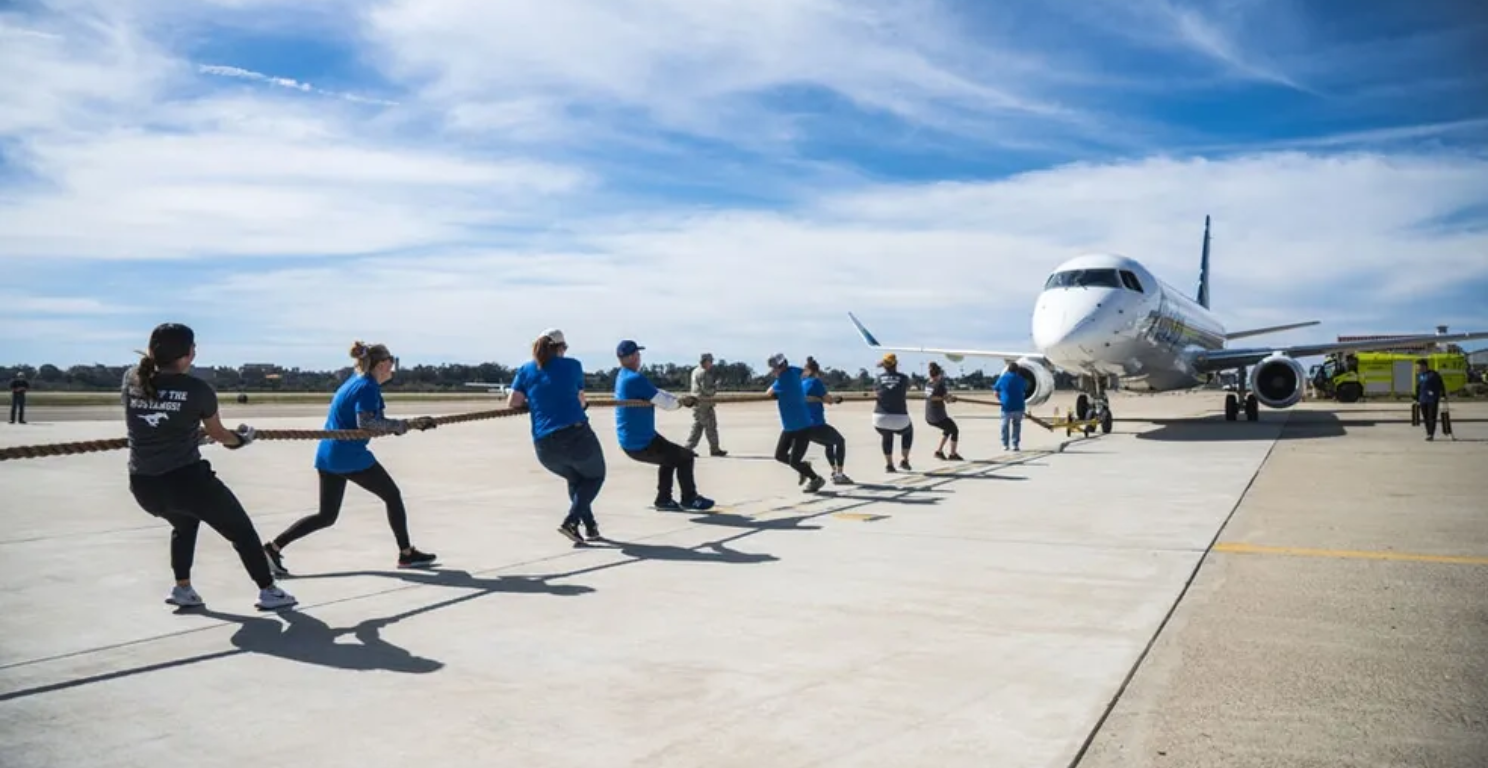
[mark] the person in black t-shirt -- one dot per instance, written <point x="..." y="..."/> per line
<point x="165" y="410"/>
<point x="18" y="388"/>
<point x="936" y="396"/>
<point x="891" y="412"/>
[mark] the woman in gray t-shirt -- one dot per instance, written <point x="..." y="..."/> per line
<point x="936" y="396"/>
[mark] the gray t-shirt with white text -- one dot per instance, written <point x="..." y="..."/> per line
<point x="164" y="433"/>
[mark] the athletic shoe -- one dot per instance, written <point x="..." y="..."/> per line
<point x="274" y="598"/>
<point x="571" y="530"/>
<point x="840" y="478"/>
<point x="904" y="464"/>
<point x="276" y="561"/>
<point x="668" y="505"/>
<point x="699" y="504"/>
<point x="591" y="532"/>
<point x="186" y="597"/>
<point x="955" y="457"/>
<point x="718" y="453"/>
<point x="940" y="455"/>
<point x="415" y="559"/>
<point x="816" y="484"/>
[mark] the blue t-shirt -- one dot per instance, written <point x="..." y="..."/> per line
<point x="813" y="387"/>
<point x="360" y="394"/>
<point x="635" y="426"/>
<point x="791" y="400"/>
<point x="1010" y="390"/>
<point x="552" y="394"/>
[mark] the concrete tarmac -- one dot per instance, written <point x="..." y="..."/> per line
<point x="983" y="613"/>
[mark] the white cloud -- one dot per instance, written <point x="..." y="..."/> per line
<point x="940" y="263"/>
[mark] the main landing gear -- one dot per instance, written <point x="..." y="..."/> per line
<point x="1233" y="400"/>
<point x="1098" y="407"/>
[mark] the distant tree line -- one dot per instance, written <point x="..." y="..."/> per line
<point x="450" y="377"/>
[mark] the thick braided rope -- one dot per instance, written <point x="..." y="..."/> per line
<point x="120" y="443"/>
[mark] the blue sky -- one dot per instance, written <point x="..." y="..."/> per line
<point x="453" y="176"/>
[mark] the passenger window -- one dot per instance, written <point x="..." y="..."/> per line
<point x="1129" y="279"/>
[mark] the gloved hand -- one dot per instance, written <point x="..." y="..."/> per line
<point x="950" y="398"/>
<point x="423" y="422"/>
<point x="246" y="435"/>
<point x="688" y="401"/>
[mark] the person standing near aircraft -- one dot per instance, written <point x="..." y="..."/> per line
<point x="936" y="397"/>
<point x="636" y="428"/>
<point x="552" y="387"/>
<point x="165" y="410"/>
<point x="1012" y="394"/>
<point x="795" y="421"/>
<point x="18" y="389"/>
<point x="891" y="412"/>
<point x="358" y="405"/>
<point x="1430" y="391"/>
<point x="704" y="415"/>
<point x="823" y="433"/>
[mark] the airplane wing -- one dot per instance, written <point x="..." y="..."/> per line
<point x="1224" y="359"/>
<point x="1271" y="329"/>
<point x="954" y="355"/>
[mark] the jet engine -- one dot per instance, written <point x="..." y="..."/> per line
<point x="1039" y="381"/>
<point x="1278" y="381"/>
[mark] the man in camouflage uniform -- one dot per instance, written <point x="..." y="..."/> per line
<point x="704" y="418"/>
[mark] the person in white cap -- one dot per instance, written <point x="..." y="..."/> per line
<point x="552" y="387"/>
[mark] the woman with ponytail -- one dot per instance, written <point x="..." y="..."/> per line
<point x="823" y="433"/>
<point x="358" y="404"/>
<point x="165" y="409"/>
<point x="551" y="386"/>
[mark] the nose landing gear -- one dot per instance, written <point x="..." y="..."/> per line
<point x="1097" y="408"/>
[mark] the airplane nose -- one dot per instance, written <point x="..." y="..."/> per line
<point x="1070" y="323"/>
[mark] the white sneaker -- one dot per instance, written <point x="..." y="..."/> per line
<point x="186" y="597"/>
<point x="273" y="598"/>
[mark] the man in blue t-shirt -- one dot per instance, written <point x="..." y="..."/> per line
<point x="1012" y="393"/>
<point x="635" y="425"/>
<point x="795" y="421"/>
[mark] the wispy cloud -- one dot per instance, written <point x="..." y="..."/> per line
<point x="285" y="82"/>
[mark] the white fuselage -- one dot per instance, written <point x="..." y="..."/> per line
<point x="1102" y="315"/>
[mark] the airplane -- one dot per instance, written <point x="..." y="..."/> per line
<point x="1108" y="320"/>
<point x="491" y="387"/>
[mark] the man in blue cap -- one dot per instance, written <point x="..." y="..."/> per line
<point x="636" y="428"/>
<point x="795" y="421"/>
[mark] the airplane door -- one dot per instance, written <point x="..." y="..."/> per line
<point x="1405" y="377"/>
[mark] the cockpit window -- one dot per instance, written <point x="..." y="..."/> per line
<point x="1129" y="279"/>
<point x="1084" y="278"/>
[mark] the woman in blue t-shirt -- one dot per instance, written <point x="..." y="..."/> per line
<point x="357" y="405"/>
<point x="552" y="388"/>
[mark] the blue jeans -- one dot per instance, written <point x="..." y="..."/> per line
<point x="575" y="455"/>
<point x="1015" y="420"/>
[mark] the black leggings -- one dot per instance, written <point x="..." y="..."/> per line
<point x="948" y="427"/>
<point x="190" y="496"/>
<point x="791" y="450"/>
<point x="827" y="435"/>
<point x="373" y="479"/>
<point x="906" y="437"/>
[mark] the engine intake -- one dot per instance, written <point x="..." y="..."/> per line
<point x="1278" y="381"/>
<point x="1039" y="381"/>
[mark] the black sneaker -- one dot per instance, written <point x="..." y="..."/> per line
<point x="571" y="530"/>
<point x="668" y="505"/>
<point x="904" y="464"/>
<point x="719" y="453"/>
<point x="276" y="561"/>
<point x="415" y="559"/>
<point x="591" y="532"/>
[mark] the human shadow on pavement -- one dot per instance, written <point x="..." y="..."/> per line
<point x="730" y="520"/>
<point x="306" y="639"/>
<point x="707" y="552"/>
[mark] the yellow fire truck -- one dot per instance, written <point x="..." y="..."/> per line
<point x="1350" y="377"/>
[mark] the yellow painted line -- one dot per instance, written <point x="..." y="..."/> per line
<point x="861" y="516"/>
<point x="1256" y="549"/>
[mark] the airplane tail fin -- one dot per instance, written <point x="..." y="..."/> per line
<point x="1203" y="297"/>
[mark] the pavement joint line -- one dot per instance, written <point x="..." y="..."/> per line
<point x="574" y="552"/>
<point x="1240" y="548"/>
<point x="1177" y="601"/>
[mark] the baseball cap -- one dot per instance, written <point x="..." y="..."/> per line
<point x="889" y="359"/>
<point x="554" y="334"/>
<point x="627" y="348"/>
<point x="776" y="360"/>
